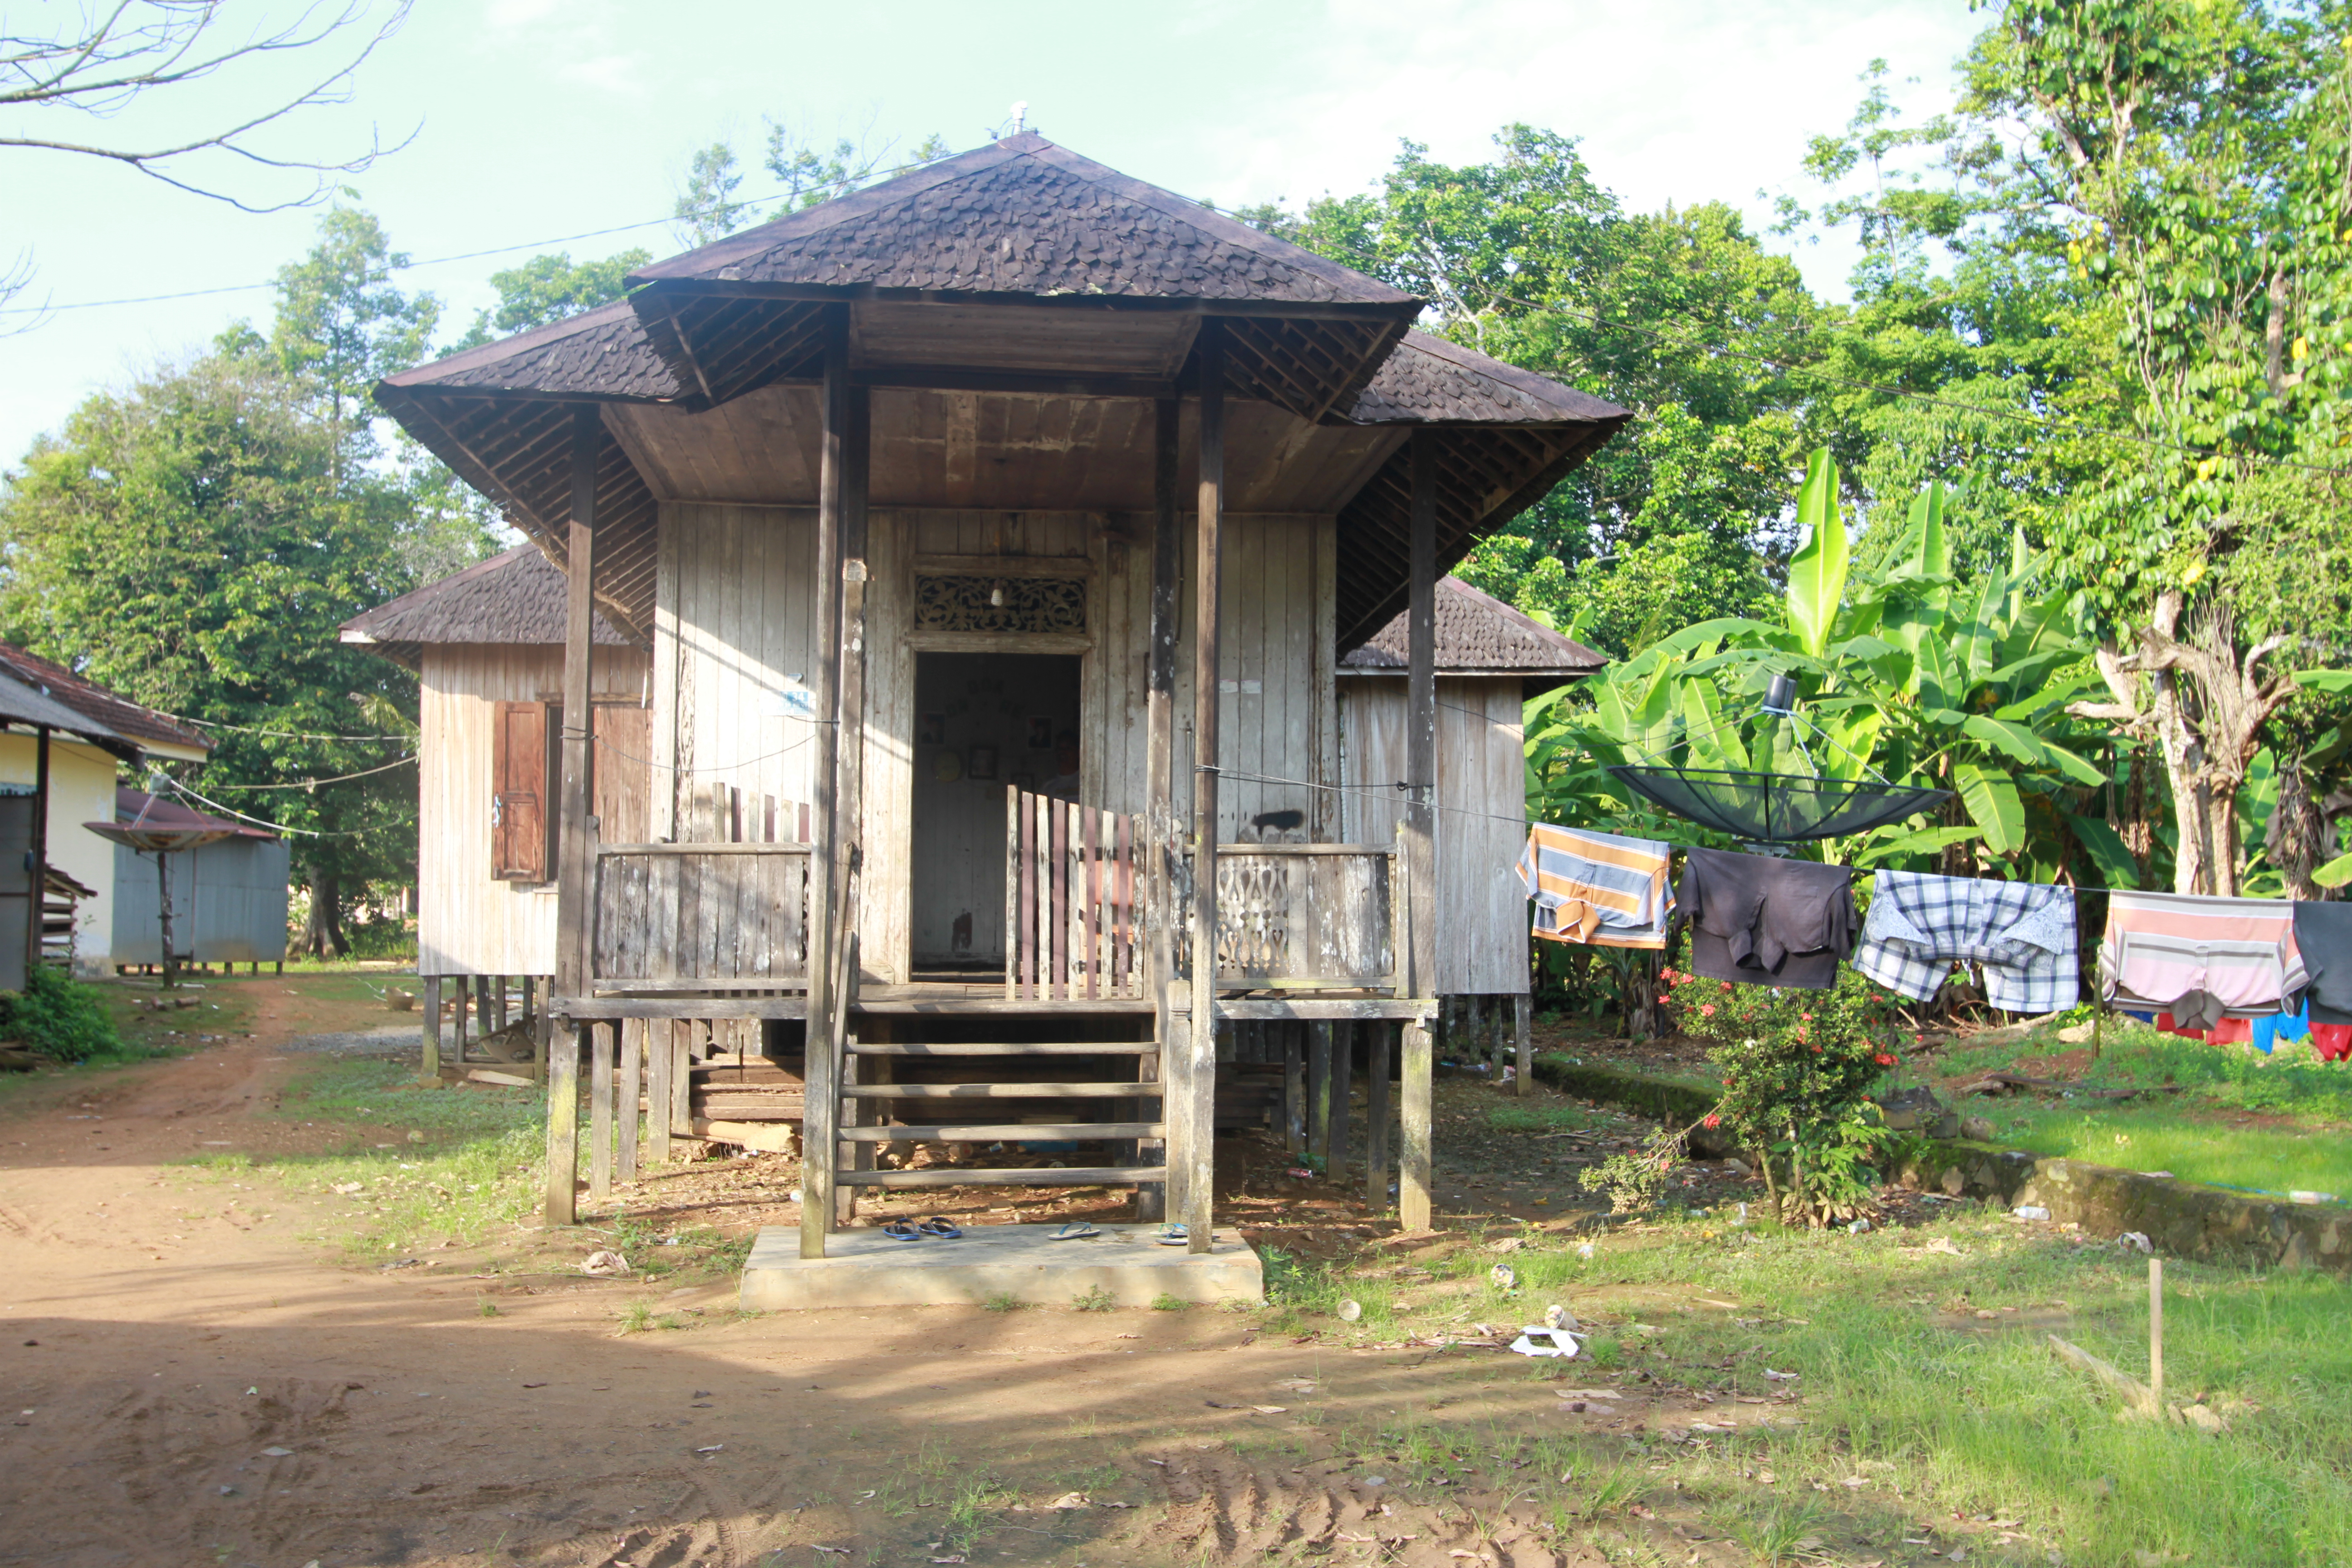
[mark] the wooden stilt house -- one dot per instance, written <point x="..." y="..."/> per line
<point x="1013" y="515"/>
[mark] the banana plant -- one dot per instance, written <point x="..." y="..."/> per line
<point x="1910" y="675"/>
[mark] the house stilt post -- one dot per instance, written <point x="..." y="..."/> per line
<point x="822" y="1104"/>
<point x="575" y="848"/>
<point x="1193" y="1157"/>
<point x="1419" y="831"/>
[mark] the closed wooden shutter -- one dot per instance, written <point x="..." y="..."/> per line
<point x="520" y="791"/>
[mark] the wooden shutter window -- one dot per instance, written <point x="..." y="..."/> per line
<point x="518" y="805"/>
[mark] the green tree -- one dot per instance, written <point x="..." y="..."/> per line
<point x="1529" y="259"/>
<point x="548" y="289"/>
<point x="194" y="539"/>
<point x="707" y="209"/>
<point x="2195" y="157"/>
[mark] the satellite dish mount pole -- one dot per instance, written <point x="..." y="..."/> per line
<point x="164" y="885"/>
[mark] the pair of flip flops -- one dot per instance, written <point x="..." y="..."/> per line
<point x="1077" y="1230"/>
<point x="913" y="1230"/>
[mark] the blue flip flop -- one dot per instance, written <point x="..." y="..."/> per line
<point x="1173" y="1234"/>
<point x="902" y="1230"/>
<point x="1077" y="1230"/>
<point x="937" y="1227"/>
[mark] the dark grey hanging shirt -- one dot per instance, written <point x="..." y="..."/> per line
<point x="1762" y="922"/>
<point x="2323" y="934"/>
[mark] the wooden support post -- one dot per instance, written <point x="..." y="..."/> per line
<point x="600" y="1115"/>
<point x="1161" y="839"/>
<point x="681" y="1080"/>
<point x="821" y="1109"/>
<point x="1318" y="1088"/>
<point x="575" y="869"/>
<point x="1414" y="1102"/>
<point x="857" y="1156"/>
<point x="661" y="1061"/>
<point x="430" y="1071"/>
<point x="625" y="1097"/>
<point x="37" y="859"/>
<point x="529" y="985"/>
<point x="1198" y="1087"/>
<point x="564" y="1122"/>
<point x="1376" y="1118"/>
<point x="498" y="1001"/>
<point x="542" y="1030"/>
<point x="1343" y="1065"/>
<point x="1420" y="721"/>
<point x="2156" y="1334"/>
<point x="1523" y="1020"/>
<point x="1294" y="1091"/>
<point x="164" y="892"/>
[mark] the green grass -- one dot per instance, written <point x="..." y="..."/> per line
<point x="2204" y="1130"/>
<point x="1905" y="1387"/>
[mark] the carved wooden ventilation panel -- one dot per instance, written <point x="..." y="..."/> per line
<point x="999" y="604"/>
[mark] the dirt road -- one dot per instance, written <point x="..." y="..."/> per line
<point x="189" y="1380"/>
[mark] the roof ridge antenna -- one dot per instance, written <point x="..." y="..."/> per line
<point x="1020" y="115"/>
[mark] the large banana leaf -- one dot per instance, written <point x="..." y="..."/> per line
<point x="1818" y="571"/>
<point x="1877" y="851"/>
<point x="1993" y="804"/>
<point x="2107" y="850"/>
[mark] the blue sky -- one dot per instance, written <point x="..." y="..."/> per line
<point x="536" y="119"/>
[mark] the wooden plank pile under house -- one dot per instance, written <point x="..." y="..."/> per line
<point x="981" y="548"/>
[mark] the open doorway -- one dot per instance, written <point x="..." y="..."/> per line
<point x="983" y="723"/>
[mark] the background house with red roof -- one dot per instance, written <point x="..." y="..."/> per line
<point x="82" y="780"/>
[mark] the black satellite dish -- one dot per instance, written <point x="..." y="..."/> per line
<point x="1758" y="808"/>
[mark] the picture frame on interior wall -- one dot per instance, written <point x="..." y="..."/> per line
<point x="932" y="731"/>
<point x="1041" y="731"/>
<point x="981" y="764"/>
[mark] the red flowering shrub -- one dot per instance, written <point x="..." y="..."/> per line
<point x="1797" y="1067"/>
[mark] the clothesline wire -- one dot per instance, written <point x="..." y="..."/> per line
<point x="179" y="788"/>
<point x="339" y="778"/>
<point x="290" y="734"/>
<point x="698" y="768"/>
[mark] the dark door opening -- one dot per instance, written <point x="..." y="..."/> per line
<point x="983" y="723"/>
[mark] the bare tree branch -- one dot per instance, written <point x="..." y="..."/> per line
<point x="111" y="60"/>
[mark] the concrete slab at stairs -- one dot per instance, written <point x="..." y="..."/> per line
<point x="867" y="1268"/>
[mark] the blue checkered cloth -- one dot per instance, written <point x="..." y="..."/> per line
<point x="2021" y="933"/>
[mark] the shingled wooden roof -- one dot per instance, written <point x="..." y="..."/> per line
<point x="111" y="715"/>
<point x="1035" y="298"/>
<point x="516" y="598"/>
<point x="1477" y="634"/>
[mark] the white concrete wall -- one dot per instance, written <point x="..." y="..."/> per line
<point x="81" y="789"/>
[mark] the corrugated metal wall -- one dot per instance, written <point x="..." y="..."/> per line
<point x="228" y="903"/>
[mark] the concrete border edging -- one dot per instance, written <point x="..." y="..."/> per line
<point x="2183" y="1219"/>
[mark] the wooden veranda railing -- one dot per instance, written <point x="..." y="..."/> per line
<point x="726" y="912"/>
<point x="1305" y="917"/>
<point x="1073" y="900"/>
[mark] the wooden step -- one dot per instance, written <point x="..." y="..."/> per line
<point x="1067" y="1177"/>
<point x="1010" y="1048"/>
<point x="1005" y="1133"/>
<point x="1004" y="1090"/>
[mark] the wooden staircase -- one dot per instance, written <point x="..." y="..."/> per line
<point x="900" y="1090"/>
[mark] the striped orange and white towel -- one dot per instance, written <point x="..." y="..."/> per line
<point x="2214" y="957"/>
<point x="1597" y="888"/>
